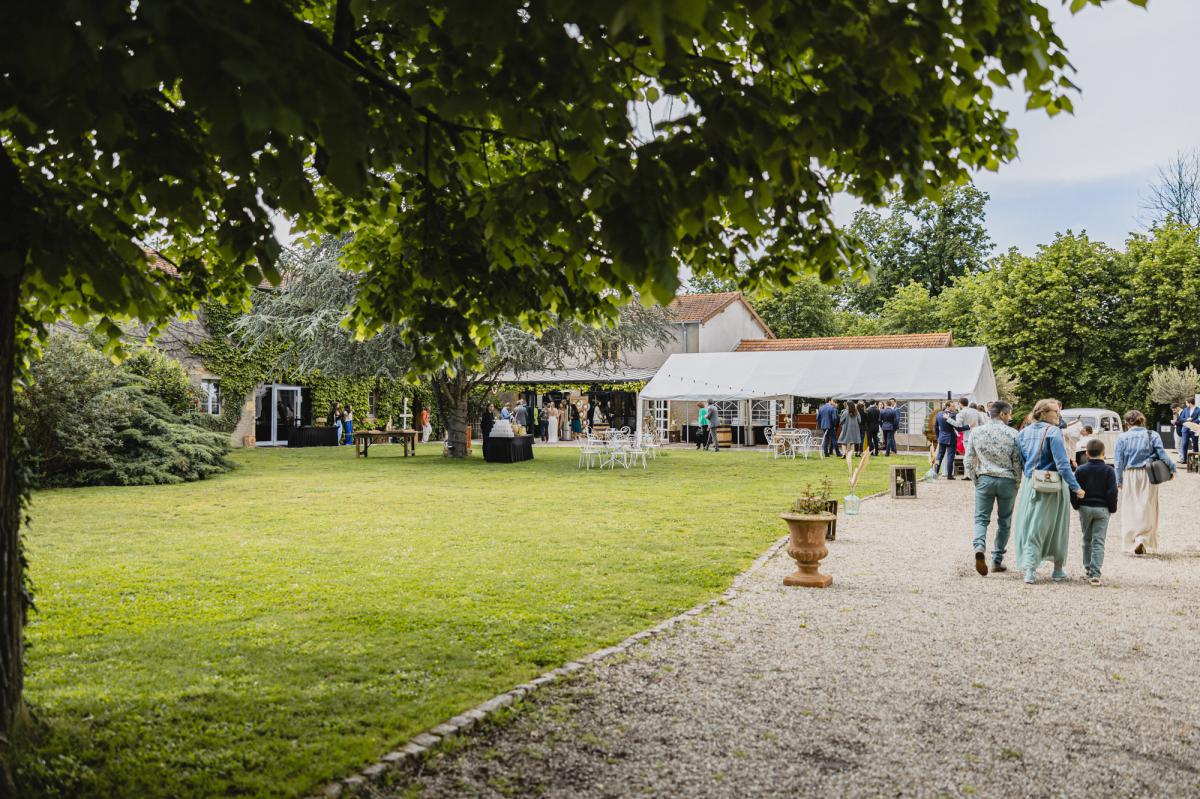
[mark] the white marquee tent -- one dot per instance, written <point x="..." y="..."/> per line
<point x="905" y="374"/>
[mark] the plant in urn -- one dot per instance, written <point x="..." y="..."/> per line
<point x="807" y="522"/>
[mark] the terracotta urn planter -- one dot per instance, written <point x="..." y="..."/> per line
<point x="807" y="548"/>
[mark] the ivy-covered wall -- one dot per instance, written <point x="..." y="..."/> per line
<point x="241" y="371"/>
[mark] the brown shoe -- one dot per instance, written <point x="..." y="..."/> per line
<point x="980" y="564"/>
<point x="1140" y="549"/>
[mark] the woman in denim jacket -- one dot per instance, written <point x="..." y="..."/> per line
<point x="1044" y="518"/>
<point x="1135" y="449"/>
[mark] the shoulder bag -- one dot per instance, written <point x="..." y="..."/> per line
<point x="1158" y="470"/>
<point x="1046" y="481"/>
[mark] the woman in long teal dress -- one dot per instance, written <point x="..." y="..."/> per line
<point x="1043" y="518"/>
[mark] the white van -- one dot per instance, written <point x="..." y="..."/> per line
<point x="1106" y="424"/>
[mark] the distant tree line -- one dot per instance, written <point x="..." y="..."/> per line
<point x="1077" y="319"/>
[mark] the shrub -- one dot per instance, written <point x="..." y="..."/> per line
<point x="1168" y="384"/>
<point x="165" y="379"/>
<point x="90" y="422"/>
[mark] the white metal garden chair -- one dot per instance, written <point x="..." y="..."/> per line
<point x="617" y="449"/>
<point x="805" y="445"/>
<point x="635" y="452"/>
<point x="651" y="444"/>
<point x="591" y="451"/>
<point x="773" y="443"/>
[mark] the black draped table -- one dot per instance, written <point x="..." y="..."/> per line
<point x="502" y="449"/>
<point x="313" y="436"/>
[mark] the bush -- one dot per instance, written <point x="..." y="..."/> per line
<point x="90" y="422"/>
<point x="165" y="379"/>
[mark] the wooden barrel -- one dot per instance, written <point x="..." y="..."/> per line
<point x="725" y="435"/>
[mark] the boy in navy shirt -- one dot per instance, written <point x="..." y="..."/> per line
<point x="1099" y="483"/>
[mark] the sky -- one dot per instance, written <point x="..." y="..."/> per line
<point x="1137" y="69"/>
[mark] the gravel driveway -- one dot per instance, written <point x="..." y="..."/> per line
<point x="910" y="676"/>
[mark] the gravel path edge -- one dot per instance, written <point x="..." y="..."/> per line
<point x="413" y="751"/>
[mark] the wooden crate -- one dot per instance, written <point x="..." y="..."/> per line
<point x="904" y="482"/>
<point x="831" y="531"/>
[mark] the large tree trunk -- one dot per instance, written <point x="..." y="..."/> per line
<point x="452" y="394"/>
<point x="457" y="425"/>
<point x="13" y="597"/>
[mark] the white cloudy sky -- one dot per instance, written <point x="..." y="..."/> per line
<point x="1138" y="71"/>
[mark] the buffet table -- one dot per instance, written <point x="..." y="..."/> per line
<point x="506" y="449"/>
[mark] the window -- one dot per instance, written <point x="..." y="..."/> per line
<point x="210" y="397"/>
<point x="609" y="352"/>
<point x="762" y="412"/>
<point x="1109" y="425"/>
<point x="373" y="404"/>
<point x="659" y="414"/>
<point x="691" y="336"/>
<point x="728" y="412"/>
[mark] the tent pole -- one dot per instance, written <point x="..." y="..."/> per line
<point x="640" y="414"/>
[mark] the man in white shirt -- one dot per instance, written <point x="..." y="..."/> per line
<point x="967" y="418"/>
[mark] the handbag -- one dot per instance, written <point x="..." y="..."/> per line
<point x="1158" y="470"/>
<point x="1046" y="481"/>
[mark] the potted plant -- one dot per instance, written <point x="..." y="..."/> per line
<point x="807" y="522"/>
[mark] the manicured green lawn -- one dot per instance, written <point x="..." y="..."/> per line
<point x="258" y="633"/>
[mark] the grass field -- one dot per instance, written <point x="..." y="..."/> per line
<point x="258" y="633"/>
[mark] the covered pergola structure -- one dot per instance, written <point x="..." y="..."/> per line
<point x="907" y="375"/>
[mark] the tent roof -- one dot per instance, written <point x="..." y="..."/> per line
<point x="905" y="374"/>
<point x="578" y="374"/>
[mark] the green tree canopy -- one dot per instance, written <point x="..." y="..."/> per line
<point x="802" y="310"/>
<point x="1162" y="324"/>
<point x="910" y="309"/>
<point x="928" y="242"/>
<point x="1056" y="322"/>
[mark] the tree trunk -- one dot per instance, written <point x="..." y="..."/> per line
<point x="452" y="394"/>
<point x="13" y="596"/>
<point x="457" y="425"/>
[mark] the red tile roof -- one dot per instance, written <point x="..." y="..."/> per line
<point x="703" y="307"/>
<point x="905" y="341"/>
<point x="156" y="261"/>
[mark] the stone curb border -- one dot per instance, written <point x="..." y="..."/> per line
<point x="418" y="746"/>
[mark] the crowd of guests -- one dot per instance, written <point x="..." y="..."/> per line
<point x="858" y="424"/>
<point x="1188" y="439"/>
<point x="553" y="421"/>
<point x="1031" y="482"/>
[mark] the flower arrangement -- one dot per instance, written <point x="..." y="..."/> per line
<point x="814" y="501"/>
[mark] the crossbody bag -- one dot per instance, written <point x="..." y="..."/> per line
<point x="1158" y="470"/>
<point x="1046" y="481"/>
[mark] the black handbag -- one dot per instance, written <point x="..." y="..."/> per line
<point x="1158" y="470"/>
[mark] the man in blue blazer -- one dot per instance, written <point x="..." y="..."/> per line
<point x="827" y="421"/>
<point x="1190" y="413"/>
<point x="889" y="423"/>
<point x="947" y="438"/>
